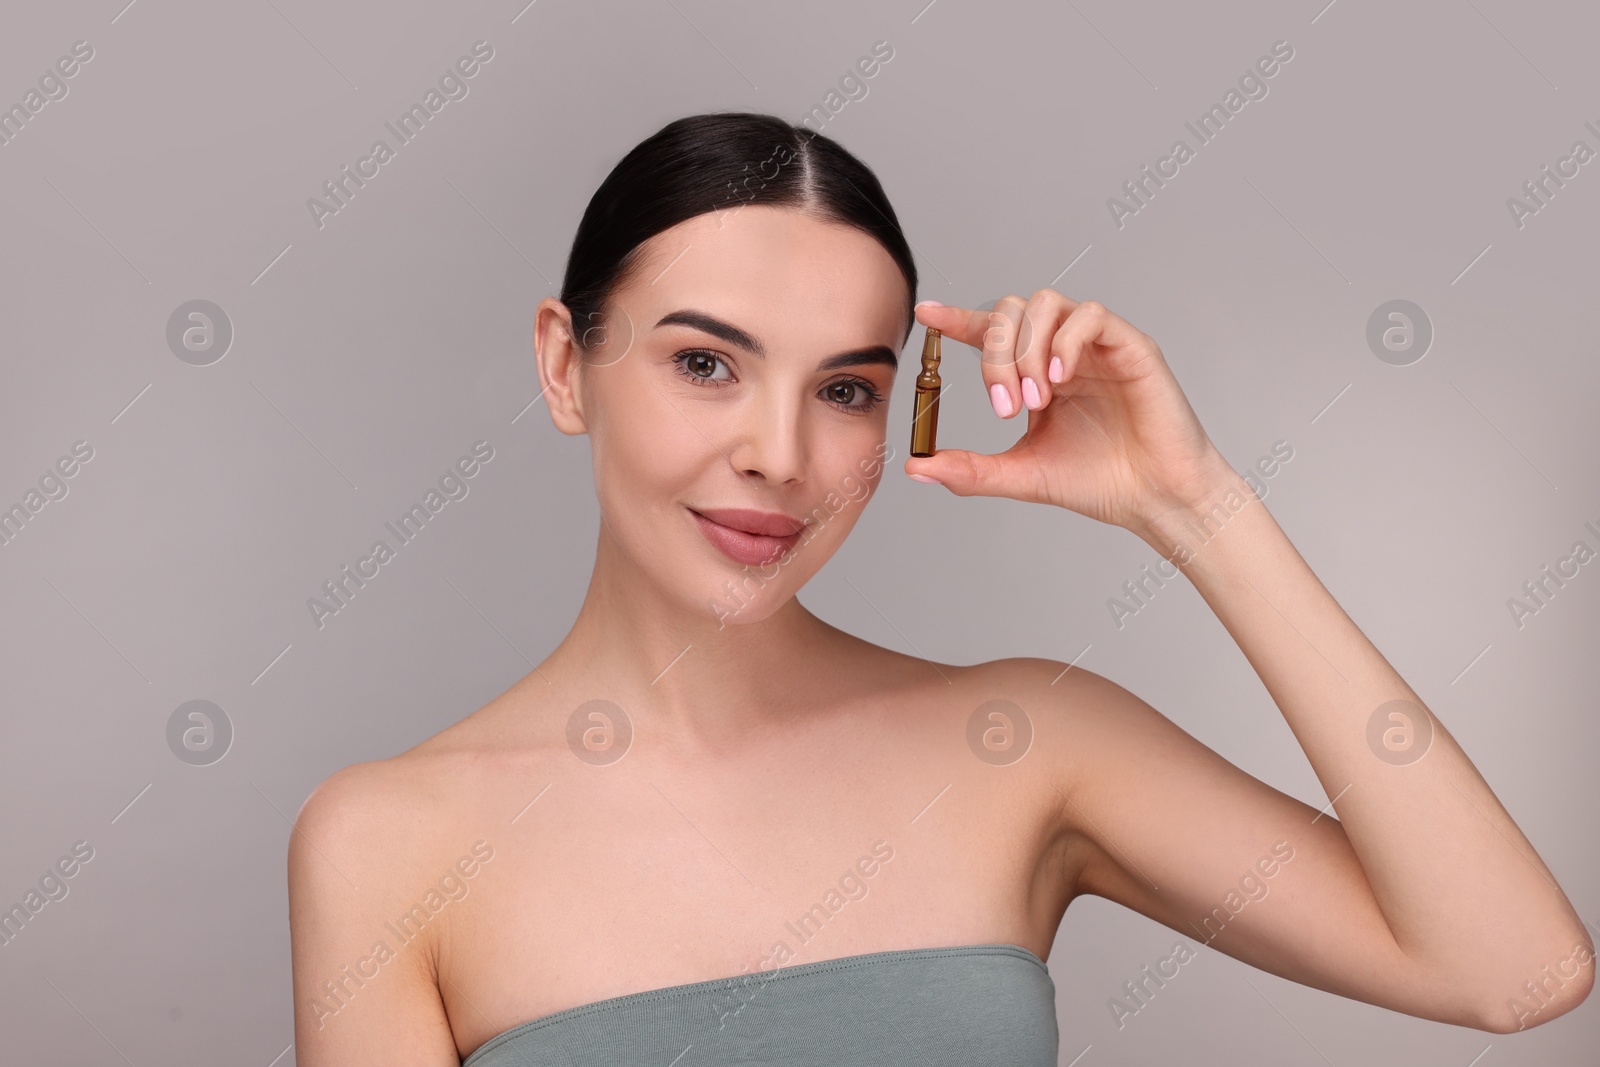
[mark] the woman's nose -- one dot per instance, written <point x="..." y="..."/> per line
<point x="770" y="442"/>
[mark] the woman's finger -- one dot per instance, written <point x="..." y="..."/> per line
<point x="1041" y="318"/>
<point x="1126" y="349"/>
<point x="957" y="323"/>
<point x="999" y="366"/>
<point x="978" y="328"/>
<point x="994" y="334"/>
<point x="979" y="474"/>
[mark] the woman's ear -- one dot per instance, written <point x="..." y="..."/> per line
<point x="558" y="358"/>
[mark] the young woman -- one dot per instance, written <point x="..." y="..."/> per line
<point x="710" y="828"/>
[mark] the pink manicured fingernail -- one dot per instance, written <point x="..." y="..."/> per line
<point x="925" y="478"/>
<point x="929" y="304"/>
<point x="1057" y="370"/>
<point x="1000" y="398"/>
<point x="1030" y="393"/>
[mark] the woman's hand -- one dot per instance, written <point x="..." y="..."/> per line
<point x="1110" y="434"/>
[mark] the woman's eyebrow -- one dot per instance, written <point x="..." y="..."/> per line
<point x="733" y="335"/>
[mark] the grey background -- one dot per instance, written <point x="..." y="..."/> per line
<point x="369" y="354"/>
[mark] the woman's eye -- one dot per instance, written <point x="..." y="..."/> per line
<point x="853" y="393"/>
<point x="699" y="366"/>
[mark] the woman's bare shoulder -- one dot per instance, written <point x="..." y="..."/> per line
<point x="411" y="805"/>
<point x="1071" y="711"/>
<point x="1065" y="687"/>
<point x="1051" y="688"/>
<point x="378" y="853"/>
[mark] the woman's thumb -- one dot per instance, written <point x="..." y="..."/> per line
<point x="963" y="473"/>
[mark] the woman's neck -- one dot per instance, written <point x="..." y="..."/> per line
<point x="689" y="674"/>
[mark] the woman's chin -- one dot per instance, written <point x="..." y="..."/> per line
<point x="727" y="609"/>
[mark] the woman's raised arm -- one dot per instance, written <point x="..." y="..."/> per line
<point x="1423" y="895"/>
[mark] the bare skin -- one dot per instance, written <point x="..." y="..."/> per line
<point x="771" y="751"/>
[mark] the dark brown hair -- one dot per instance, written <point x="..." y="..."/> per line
<point x="715" y="162"/>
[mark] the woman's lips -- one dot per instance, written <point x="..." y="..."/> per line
<point x="747" y="548"/>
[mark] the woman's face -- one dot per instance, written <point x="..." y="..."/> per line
<point x="746" y="367"/>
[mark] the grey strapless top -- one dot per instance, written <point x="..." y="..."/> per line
<point x="962" y="1006"/>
